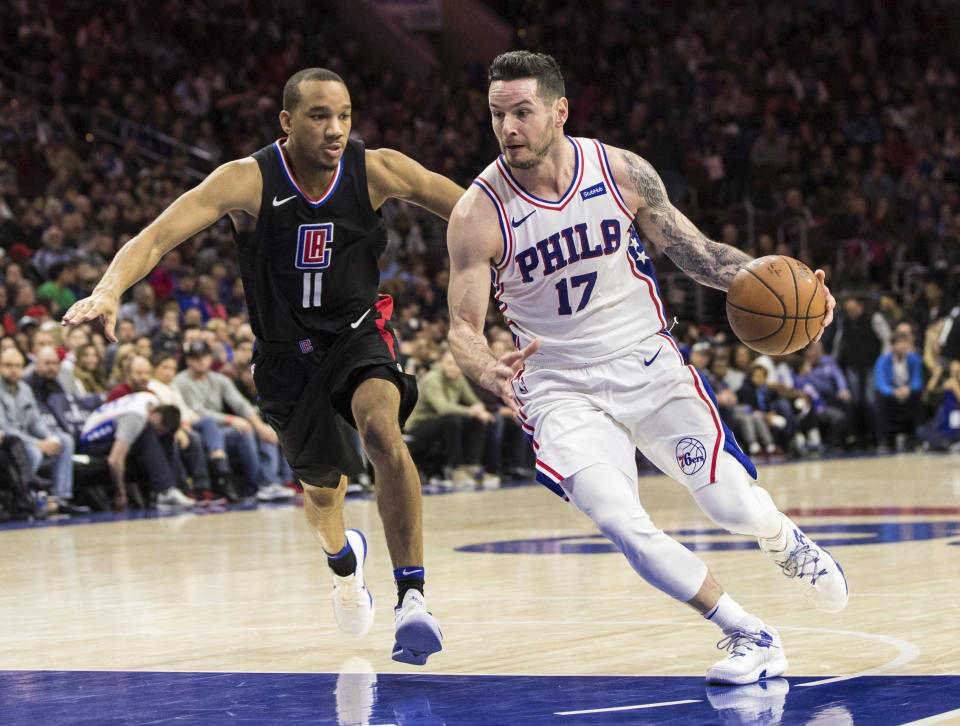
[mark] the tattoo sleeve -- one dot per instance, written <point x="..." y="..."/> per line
<point x="709" y="263"/>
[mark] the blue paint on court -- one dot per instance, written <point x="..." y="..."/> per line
<point x="862" y="533"/>
<point x="106" y="698"/>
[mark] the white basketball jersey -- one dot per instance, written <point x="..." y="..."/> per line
<point x="573" y="271"/>
<point x="102" y="423"/>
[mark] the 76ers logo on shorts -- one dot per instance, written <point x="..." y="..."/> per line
<point x="313" y="246"/>
<point x="691" y="455"/>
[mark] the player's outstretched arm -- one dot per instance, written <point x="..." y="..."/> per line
<point x="392" y="175"/>
<point x="709" y="263"/>
<point x="234" y="186"/>
<point x="473" y="241"/>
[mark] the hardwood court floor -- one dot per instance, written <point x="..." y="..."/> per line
<point x="523" y="588"/>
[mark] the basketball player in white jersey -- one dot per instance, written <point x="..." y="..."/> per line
<point x="597" y="374"/>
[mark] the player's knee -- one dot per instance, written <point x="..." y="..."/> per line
<point x="380" y="435"/>
<point x="736" y="504"/>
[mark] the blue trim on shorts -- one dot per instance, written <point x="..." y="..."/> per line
<point x="730" y="444"/>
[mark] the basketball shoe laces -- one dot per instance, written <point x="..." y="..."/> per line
<point x="741" y="642"/>
<point x="803" y="561"/>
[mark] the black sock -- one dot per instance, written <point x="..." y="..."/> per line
<point x="408" y="578"/>
<point x="344" y="562"/>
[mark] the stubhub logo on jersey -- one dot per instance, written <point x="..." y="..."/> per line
<point x="313" y="242"/>
<point x="566" y="247"/>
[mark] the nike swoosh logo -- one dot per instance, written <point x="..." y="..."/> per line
<point x="415" y="571"/>
<point x="360" y="320"/>
<point x="649" y="362"/>
<point x="278" y="202"/>
<point x="516" y="223"/>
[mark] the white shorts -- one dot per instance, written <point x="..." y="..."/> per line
<point x="647" y="400"/>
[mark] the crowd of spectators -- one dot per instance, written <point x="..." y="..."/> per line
<point x="826" y="130"/>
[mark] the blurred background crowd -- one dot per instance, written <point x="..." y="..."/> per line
<point x="826" y="130"/>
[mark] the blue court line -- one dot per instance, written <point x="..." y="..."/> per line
<point x="104" y="698"/>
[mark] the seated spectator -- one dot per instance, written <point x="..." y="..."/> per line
<point x="125" y="333"/>
<point x="59" y="408"/>
<point x="139" y="370"/>
<point x="20" y="417"/>
<point x="758" y="398"/>
<point x="127" y="431"/>
<point x="250" y="443"/>
<point x="943" y="432"/>
<point x="19" y="484"/>
<point x="191" y="425"/>
<point x="120" y="369"/>
<point x="144" y="346"/>
<point x="448" y="412"/>
<point x="51" y="253"/>
<point x="140" y="311"/>
<point x="63" y="275"/>
<point x="88" y="372"/>
<point x="167" y="337"/>
<point x="822" y="380"/>
<point x="899" y="381"/>
<point x="77" y="337"/>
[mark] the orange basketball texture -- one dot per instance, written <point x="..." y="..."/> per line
<point x="775" y="304"/>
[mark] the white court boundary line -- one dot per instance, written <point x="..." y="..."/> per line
<point x="908" y="652"/>
<point x="939" y="718"/>
<point x="627" y="708"/>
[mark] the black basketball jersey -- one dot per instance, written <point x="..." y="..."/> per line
<point x="310" y="265"/>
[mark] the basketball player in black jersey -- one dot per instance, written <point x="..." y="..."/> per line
<point x="308" y="236"/>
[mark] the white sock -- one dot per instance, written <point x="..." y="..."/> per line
<point x="729" y="615"/>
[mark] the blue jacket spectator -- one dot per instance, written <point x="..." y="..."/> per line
<point x="899" y="381"/>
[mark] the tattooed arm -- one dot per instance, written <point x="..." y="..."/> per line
<point x="709" y="263"/>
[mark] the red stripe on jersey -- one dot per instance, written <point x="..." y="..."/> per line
<point x="385" y="308"/>
<point x="716" y="422"/>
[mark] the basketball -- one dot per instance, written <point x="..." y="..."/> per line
<point x="775" y="305"/>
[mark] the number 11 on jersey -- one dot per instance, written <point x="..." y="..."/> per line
<point x="312" y="285"/>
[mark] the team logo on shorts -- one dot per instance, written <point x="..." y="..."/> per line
<point x="313" y="246"/>
<point x="691" y="455"/>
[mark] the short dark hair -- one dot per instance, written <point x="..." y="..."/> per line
<point x="169" y="417"/>
<point x="524" y="64"/>
<point x="291" y="89"/>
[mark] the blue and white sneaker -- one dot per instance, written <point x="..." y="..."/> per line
<point x="417" y="631"/>
<point x="812" y="566"/>
<point x="754" y="654"/>
<point x="352" y="601"/>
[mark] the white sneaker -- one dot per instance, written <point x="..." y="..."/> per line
<point x="754" y="654"/>
<point x="352" y="601"/>
<point x="173" y="497"/>
<point x="417" y="631"/>
<point x="813" y="567"/>
<point x="273" y="492"/>
<point x="282" y="492"/>
<point x="755" y="703"/>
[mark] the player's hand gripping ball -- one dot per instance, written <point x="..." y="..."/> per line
<point x="776" y="304"/>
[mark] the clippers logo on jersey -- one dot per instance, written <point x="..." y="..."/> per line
<point x="306" y="346"/>
<point x="691" y="455"/>
<point x="595" y="191"/>
<point x="313" y="242"/>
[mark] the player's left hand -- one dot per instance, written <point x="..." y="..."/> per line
<point x="831" y="304"/>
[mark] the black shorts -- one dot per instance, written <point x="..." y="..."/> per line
<point x="305" y="389"/>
